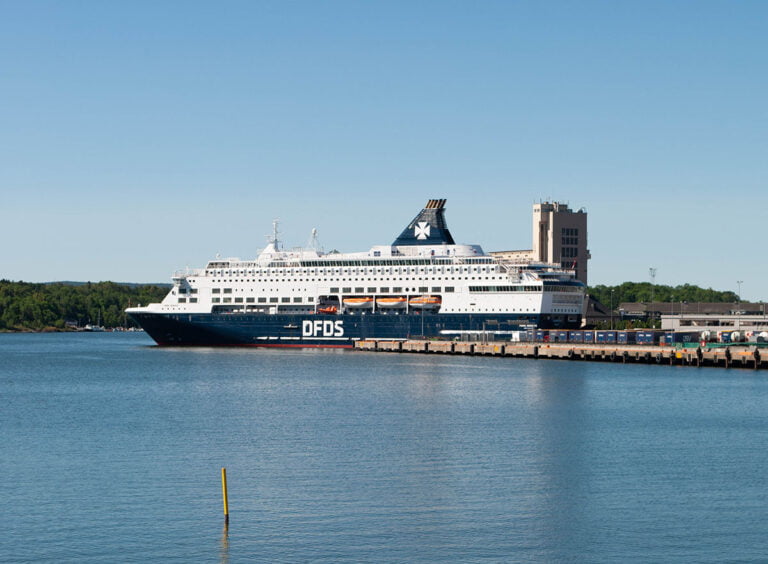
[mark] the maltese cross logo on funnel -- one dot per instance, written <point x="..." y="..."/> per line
<point x="421" y="231"/>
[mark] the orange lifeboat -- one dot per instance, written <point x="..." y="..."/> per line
<point x="391" y="302"/>
<point x="330" y="310"/>
<point x="426" y="302"/>
<point x="364" y="302"/>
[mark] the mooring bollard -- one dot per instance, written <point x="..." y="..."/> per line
<point x="224" y="495"/>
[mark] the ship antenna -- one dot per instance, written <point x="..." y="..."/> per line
<point x="314" y="243"/>
<point x="273" y="237"/>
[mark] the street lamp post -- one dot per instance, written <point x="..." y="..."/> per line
<point x="611" y="310"/>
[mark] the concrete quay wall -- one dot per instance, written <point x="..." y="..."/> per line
<point x="733" y="356"/>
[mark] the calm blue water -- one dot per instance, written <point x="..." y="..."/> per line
<point x="112" y="450"/>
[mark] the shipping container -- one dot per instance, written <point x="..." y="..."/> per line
<point x="589" y="336"/>
<point x="542" y="335"/>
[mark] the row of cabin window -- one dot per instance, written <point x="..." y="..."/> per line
<point x="480" y="289"/>
<point x="337" y="280"/>
<point x="395" y="270"/>
<point x="362" y="290"/>
<point x="395" y="290"/>
<point x="391" y="262"/>
<point x="273" y="300"/>
<point x="353" y="263"/>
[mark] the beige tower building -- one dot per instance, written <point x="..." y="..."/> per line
<point x="559" y="236"/>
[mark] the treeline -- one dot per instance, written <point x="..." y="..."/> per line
<point x="647" y="292"/>
<point x="26" y="306"/>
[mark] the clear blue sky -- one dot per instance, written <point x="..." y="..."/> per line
<point x="141" y="137"/>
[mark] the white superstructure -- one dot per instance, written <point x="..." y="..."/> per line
<point x="423" y="261"/>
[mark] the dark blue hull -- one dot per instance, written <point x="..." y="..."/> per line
<point x="304" y="330"/>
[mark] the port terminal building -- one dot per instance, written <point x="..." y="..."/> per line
<point x="683" y="316"/>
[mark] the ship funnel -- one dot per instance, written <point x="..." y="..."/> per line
<point x="427" y="228"/>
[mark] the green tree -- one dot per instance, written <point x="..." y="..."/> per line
<point x="34" y="307"/>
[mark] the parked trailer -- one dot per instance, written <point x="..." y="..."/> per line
<point x="626" y="337"/>
<point x="649" y="337"/>
<point x="606" y="336"/>
<point x="529" y="335"/>
<point x="672" y="338"/>
<point x="576" y="336"/>
<point x="558" y="336"/>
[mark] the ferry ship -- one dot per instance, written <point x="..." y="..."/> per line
<point x="422" y="285"/>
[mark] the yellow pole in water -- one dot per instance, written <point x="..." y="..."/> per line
<point x="224" y="495"/>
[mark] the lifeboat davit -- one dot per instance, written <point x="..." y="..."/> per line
<point x="364" y="302"/>
<point x="391" y="302"/>
<point x="330" y="310"/>
<point x="426" y="302"/>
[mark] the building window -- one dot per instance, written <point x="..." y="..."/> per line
<point x="182" y="300"/>
<point x="216" y="291"/>
<point x="193" y="300"/>
<point x="262" y="300"/>
<point x="297" y="300"/>
<point x="570" y="236"/>
<point x="238" y="300"/>
<point x="249" y="300"/>
<point x="285" y="300"/>
<point x="273" y="300"/>
<point x="216" y="300"/>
